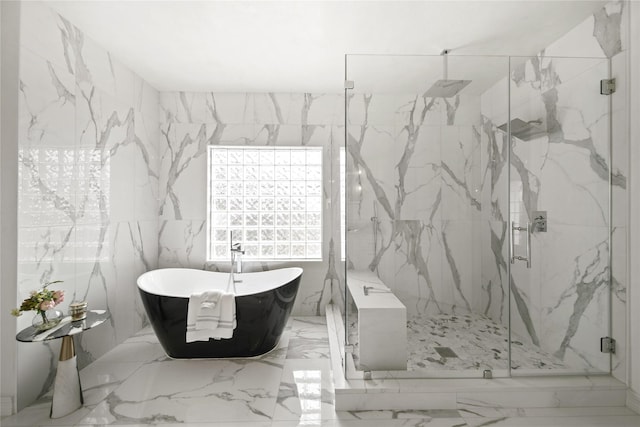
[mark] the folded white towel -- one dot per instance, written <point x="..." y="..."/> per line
<point x="227" y="322"/>
<point x="211" y="314"/>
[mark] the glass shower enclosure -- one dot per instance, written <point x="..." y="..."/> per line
<point x="476" y="216"/>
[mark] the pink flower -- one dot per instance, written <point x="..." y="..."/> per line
<point x="58" y="297"/>
<point x="46" y="305"/>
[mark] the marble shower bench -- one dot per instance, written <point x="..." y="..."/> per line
<point x="382" y="323"/>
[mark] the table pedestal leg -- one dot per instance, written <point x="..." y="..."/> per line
<point x="67" y="393"/>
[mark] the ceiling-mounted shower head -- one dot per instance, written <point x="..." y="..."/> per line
<point x="446" y="88"/>
<point x="525" y="131"/>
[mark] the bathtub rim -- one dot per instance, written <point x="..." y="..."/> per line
<point x="250" y="284"/>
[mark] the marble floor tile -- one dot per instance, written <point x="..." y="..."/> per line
<point x="407" y="422"/>
<point x="306" y="391"/>
<point x="208" y="424"/>
<point x="401" y="414"/>
<point x="146" y="334"/>
<point x="308" y="339"/>
<point x="473" y="411"/>
<point x="135" y="351"/>
<point x="136" y="385"/>
<point x="608" y="421"/>
<point x="100" y="378"/>
<point x="193" y="391"/>
<point x="37" y="415"/>
<point x="597" y="411"/>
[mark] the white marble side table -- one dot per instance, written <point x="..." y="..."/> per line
<point x="67" y="391"/>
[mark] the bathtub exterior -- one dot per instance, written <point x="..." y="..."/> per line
<point x="261" y="319"/>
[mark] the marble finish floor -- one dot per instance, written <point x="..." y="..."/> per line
<point x="136" y="385"/>
<point x="459" y="342"/>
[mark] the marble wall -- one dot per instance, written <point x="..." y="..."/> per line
<point x="414" y="166"/>
<point x="88" y="185"/>
<point x="191" y="121"/>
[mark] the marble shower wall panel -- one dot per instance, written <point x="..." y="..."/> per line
<point x="414" y="268"/>
<point x="564" y="300"/>
<point x="192" y="121"/>
<point x="490" y="297"/>
<point x="423" y="175"/>
<point x="88" y="183"/>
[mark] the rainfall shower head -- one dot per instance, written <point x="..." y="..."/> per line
<point x="446" y="88"/>
<point x="524" y="131"/>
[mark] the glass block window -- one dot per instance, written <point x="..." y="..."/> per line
<point x="267" y="198"/>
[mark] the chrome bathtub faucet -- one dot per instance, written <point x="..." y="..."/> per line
<point x="236" y="259"/>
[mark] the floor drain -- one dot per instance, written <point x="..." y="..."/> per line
<point x="445" y="352"/>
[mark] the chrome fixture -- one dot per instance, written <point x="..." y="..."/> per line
<point x="446" y="88"/>
<point x="373" y="290"/>
<point x="539" y="222"/>
<point x="607" y="86"/>
<point x="236" y="263"/>
<point x="524" y="131"/>
<point x="607" y="345"/>
<point x="515" y="257"/>
<point x="376" y="224"/>
<point x="236" y="257"/>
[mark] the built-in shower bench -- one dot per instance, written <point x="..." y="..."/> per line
<point x="382" y="323"/>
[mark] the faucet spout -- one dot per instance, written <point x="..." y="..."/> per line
<point x="236" y="257"/>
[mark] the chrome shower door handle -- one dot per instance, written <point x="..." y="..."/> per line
<point x="512" y="253"/>
<point x="515" y="257"/>
<point x="528" y="245"/>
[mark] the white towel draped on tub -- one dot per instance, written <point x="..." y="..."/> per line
<point x="211" y="314"/>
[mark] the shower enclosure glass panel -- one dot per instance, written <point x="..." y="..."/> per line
<point x="559" y="189"/>
<point x="426" y="201"/>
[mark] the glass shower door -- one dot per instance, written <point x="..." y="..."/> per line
<point x="559" y="215"/>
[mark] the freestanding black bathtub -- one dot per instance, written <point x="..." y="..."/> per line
<point x="263" y="303"/>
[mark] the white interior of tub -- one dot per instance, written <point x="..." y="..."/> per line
<point x="183" y="282"/>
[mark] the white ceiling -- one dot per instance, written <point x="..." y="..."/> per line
<point x="299" y="46"/>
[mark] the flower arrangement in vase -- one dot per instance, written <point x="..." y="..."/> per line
<point x="43" y="302"/>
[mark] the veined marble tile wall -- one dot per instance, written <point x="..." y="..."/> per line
<point x="88" y="187"/>
<point x="191" y="121"/>
<point x="563" y="303"/>
<point x="416" y="162"/>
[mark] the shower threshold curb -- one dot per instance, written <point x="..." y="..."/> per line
<point x="462" y="393"/>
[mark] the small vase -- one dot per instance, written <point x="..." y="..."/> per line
<point x="44" y="320"/>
